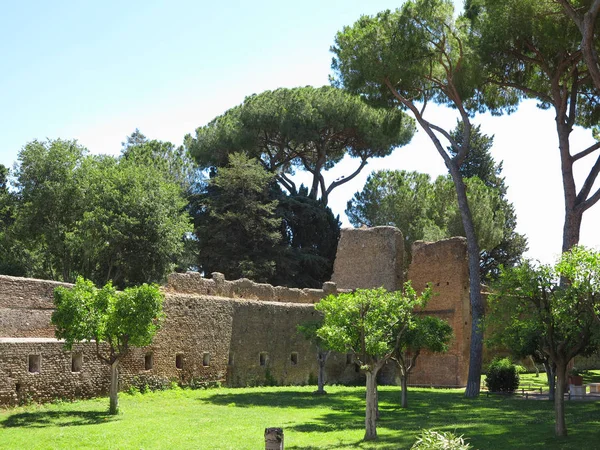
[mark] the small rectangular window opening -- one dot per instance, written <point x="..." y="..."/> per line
<point x="349" y="358"/>
<point x="179" y="360"/>
<point x="76" y="362"/>
<point x="294" y="358"/>
<point x="231" y="359"/>
<point x="263" y="358"/>
<point x="35" y="362"/>
<point x="148" y="361"/>
<point x="206" y="359"/>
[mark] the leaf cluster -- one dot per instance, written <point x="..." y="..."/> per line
<point x="120" y="319"/>
<point x="369" y="322"/>
<point x="307" y="128"/>
<point x="549" y="310"/>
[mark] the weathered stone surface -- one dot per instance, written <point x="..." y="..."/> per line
<point x="444" y="264"/>
<point x="217" y="330"/>
<point x="369" y="258"/>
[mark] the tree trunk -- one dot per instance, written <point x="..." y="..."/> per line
<point x="114" y="388"/>
<point x="551" y="375"/>
<point x="559" y="401"/>
<point x="587" y="44"/>
<point x="571" y="228"/>
<point x="477" y="307"/>
<point x="535" y="367"/>
<point x="321" y="376"/>
<point x="404" y="385"/>
<point x="371" y="409"/>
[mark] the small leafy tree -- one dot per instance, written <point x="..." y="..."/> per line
<point x="425" y="333"/>
<point x="370" y="324"/>
<point x="562" y="302"/>
<point x="310" y="331"/>
<point x="118" y="320"/>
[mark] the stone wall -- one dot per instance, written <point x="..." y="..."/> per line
<point x="236" y="332"/>
<point x="52" y="377"/>
<point x="204" y="338"/>
<point x="25" y="307"/>
<point x="195" y="283"/>
<point x="445" y="265"/>
<point x="369" y="258"/>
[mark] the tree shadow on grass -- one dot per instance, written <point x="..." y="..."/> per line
<point x="42" y="419"/>
<point x="487" y="422"/>
<point x="346" y="400"/>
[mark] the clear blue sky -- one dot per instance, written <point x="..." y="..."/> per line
<point x="95" y="71"/>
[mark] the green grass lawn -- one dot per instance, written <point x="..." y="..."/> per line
<point x="529" y="381"/>
<point x="236" y="419"/>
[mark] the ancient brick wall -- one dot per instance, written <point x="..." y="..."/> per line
<point x="25" y="307"/>
<point x="236" y="332"/>
<point x="195" y="283"/>
<point x="369" y="258"/>
<point x="204" y="338"/>
<point x="52" y="376"/>
<point x="445" y="265"/>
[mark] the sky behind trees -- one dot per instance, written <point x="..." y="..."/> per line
<point x="96" y="71"/>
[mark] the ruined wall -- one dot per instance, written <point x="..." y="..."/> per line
<point x="55" y="377"/>
<point x="204" y="338"/>
<point x="195" y="283"/>
<point x="445" y="265"/>
<point x="369" y="258"/>
<point x="236" y="332"/>
<point x="25" y="307"/>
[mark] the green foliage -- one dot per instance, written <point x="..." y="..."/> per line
<point x="12" y="261"/>
<point x="120" y="319"/>
<point x="531" y="300"/>
<point x="174" y="163"/>
<point x="307" y="128"/>
<point x="427" y="333"/>
<point x="551" y="311"/>
<point x="368" y="322"/>
<point x="310" y="234"/>
<point x="429" y="211"/>
<point x="419" y="50"/>
<point x="439" y="440"/>
<point x="425" y="210"/>
<point x="237" y="230"/>
<point x="96" y="216"/>
<point x="502" y="376"/>
<point x="310" y="331"/>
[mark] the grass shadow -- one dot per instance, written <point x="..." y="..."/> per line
<point x="348" y="400"/>
<point x="42" y="419"/>
<point x="487" y="422"/>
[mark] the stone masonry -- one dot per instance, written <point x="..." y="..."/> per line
<point x="235" y="332"/>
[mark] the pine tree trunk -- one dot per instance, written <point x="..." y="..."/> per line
<point x="114" y="388"/>
<point x="477" y="307"/>
<point x="404" y="385"/>
<point x="559" y="401"/>
<point x="371" y="409"/>
<point x="571" y="228"/>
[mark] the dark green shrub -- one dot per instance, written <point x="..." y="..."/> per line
<point x="502" y="376"/>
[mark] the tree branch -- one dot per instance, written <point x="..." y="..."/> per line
<point x="343" y="180"/>
<point x="582" y="197"/>
<point x="587" y="151"/>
